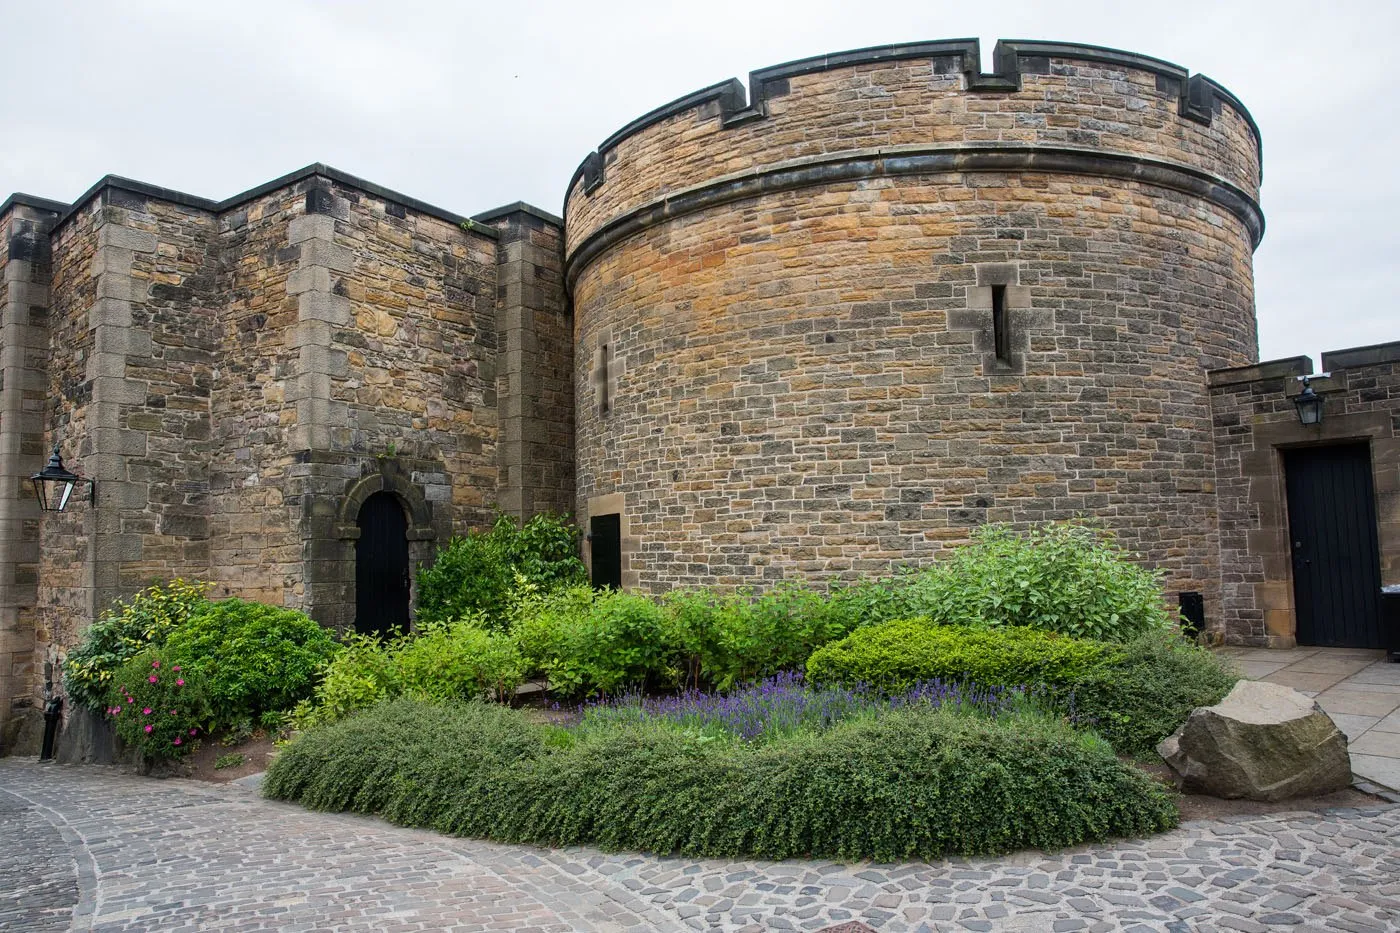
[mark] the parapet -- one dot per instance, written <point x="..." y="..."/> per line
<point x="926" y="106"/>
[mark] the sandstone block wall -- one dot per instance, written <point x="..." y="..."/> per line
<point x="804" y="375"/>
<point x="1255" y="420"/>
<point x="25" y="272"/>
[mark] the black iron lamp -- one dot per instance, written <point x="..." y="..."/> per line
<point x="1309" y="403"/>
<point x="54" y="484"/>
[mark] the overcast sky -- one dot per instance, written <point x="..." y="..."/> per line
<point x="471" y="105"/>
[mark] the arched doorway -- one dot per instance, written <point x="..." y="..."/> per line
<point x="382" y="582"/>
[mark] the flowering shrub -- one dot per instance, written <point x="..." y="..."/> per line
<point x="785" y="705"/>
<point x="157" y="706"/>
<point x="123" y="632"/>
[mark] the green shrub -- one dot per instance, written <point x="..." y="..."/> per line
<point x="362" y="674"/>
<point x="1133" y="694"/>
<point x="912" y="784"/>
<point x="896" y="655"/>
<point x="590" y="641"/>
<point x="478" y="573"/>
<point x="124" y="631"/>
<point x="459" y="660"/>
<point x="1149" y="692"/>
<point x="1062" y="578"/>
<point x="255" y="659"/>
<point x="736" y="638"/>
<point x="157" y="706"/>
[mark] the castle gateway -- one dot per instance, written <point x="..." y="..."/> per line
<point x="809" y="329"/>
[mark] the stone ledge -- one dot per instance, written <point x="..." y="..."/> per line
<point x="1377" y="354"/>
<point x="1288" y="368"/>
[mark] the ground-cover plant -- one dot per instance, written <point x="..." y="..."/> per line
<point x="1134" y="694"/>
<point x="255" y="660"/>
<point x="158" y="707"/>
<point x="124" y="631"/>
<point x="477" y="573"/>
<point x="912" y="783"/>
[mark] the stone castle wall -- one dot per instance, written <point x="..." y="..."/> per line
<point x="1255" y="421"/>
<point x="801" y="364"/>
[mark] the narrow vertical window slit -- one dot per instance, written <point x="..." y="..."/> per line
<point x="604" y="400"/>
<point x="1001" y="332"/>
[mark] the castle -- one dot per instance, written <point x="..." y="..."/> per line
<point x="812" y="329"/>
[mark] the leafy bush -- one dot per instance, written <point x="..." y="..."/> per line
<point x="1060" y="577"/>
<point x="477" y="573"/>
<point x="123" y="632"/>
<point x="910" y="784"/>
<point x="896" y="655"/>
<point x="362" y="674"/>
<point x="156" y="706"/>
<point x="1149" y="691"/>
<point x="255" y="659"/>
<point x="589" y="641"/>
<point x="1135" y="694"/>
<point x="732" y="639"/>
<point x="459" y="660"/>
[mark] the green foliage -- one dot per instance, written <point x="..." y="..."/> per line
<point x="1134" y="694"/>
<point x="588" y="641"/>
<point x="1062" y="578"/>
<point x="477" y="573"/>
<point x="1149" y="692"/>
<point x="124" y="631"/>
<point x="156" y="706"/>
<point x="459" y="660"/>
<point x="731" y="639"/>
<point x="911" y="784"/>
<point x="896" y="655"/>
<point x="253" y="658"/>
<point x="231" y="760"/>
<point x="361" y="674"/>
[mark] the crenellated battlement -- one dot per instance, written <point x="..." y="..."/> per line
<point x="920" y="107"/>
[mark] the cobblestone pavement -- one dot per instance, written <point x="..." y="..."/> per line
<point x="108" y="851"/>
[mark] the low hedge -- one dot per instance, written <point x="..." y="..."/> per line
<point x="910" y="784"/>
<point x="1134" y="694"/>
<point x="896" y="655"/>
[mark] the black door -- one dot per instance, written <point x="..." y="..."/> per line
<point x="381" y="567"/>
<point x="605" y="540"/>
<point x="1332" y="531"/>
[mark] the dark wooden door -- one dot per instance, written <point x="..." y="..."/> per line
<point x="1332" y="531"/>
<point x="605" y="542"/>
<point x="381" y="567"/>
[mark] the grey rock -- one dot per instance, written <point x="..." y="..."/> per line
<point x="1263" y="741"/>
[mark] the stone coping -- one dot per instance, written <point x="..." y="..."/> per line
<point x="1333" y="361"/>
<point x="1199" y="94"/>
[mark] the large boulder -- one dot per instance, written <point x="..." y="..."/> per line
<point x="1262" y="742"/>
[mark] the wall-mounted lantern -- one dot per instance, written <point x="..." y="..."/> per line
<point x="54" y="485"/>
<point x="1309" y="402"/>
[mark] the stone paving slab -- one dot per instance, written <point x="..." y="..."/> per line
<point x="182" y="856"/>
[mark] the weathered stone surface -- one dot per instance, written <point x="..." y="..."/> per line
<point x="1264" y="741"/>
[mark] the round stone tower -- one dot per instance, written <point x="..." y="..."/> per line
<point x="835" y="323"/>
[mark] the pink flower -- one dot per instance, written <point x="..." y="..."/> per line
<point x="146" y="711"/>
<point x="148" y="728"/>
<point x="175" y="668"/>
<point x="153" y="679"/>
<point x="180" y="683"/>
<point x="193" y="731"/>
<point x="130" y="700"/>
<point x="178" y="740"/>
<point x="155" y="664"/>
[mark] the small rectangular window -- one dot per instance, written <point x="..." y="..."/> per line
<point x="1001" y="331"/>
